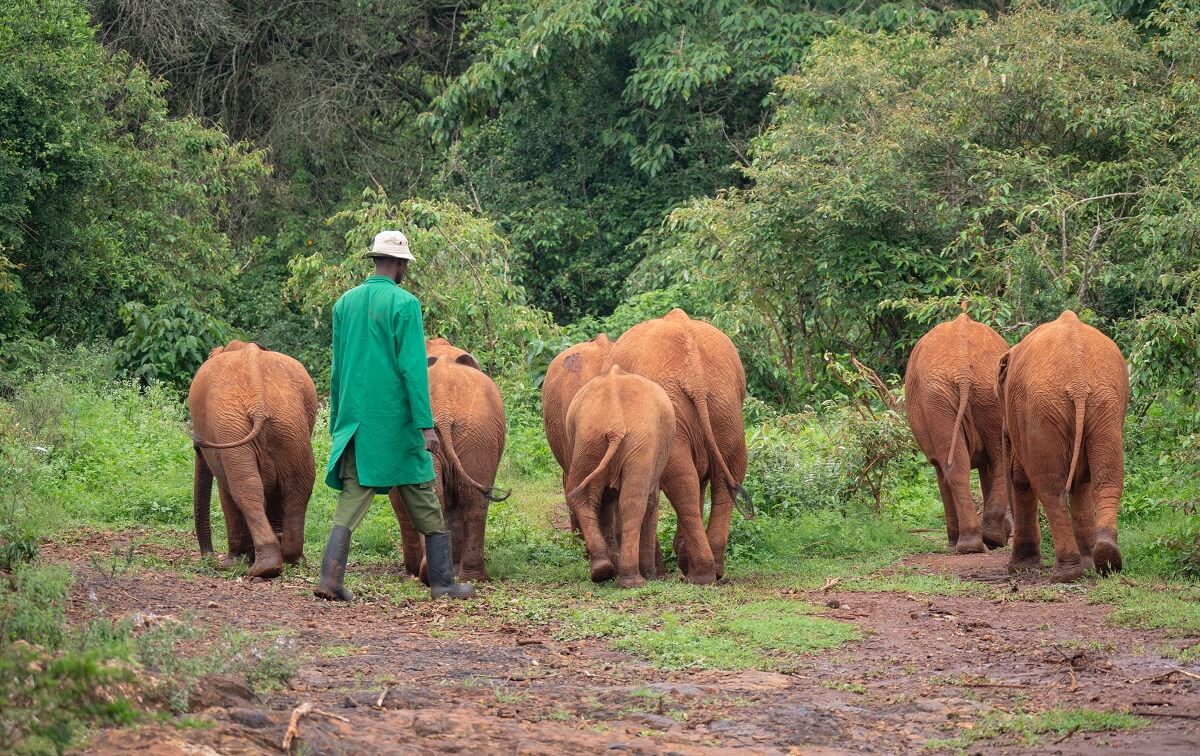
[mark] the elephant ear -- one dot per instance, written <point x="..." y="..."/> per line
<point x="469" y="360"/>
<point x="1002" y="376"/>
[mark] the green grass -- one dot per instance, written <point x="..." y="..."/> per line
<point x="911" y="580"/>
<point x="1028" y="728"/>
<point x="1149" y="605"/>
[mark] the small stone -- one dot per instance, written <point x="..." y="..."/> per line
<point x="657" y="721"/>
<point x="348" y="703"/>
<point x="253" y="718"/>
<point x="213" y="605"/>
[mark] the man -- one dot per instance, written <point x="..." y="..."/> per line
<point x="380" y="419"/>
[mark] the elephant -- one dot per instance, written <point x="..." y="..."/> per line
<point x="620" y="428"/>
<point x="1065" y="391"/>
<point x="699" y="368"/>
<point x="253" y="413"/>
<point x="468" y="415"/>
<point x="950" y="396"/>
<point x="568" y="372"/>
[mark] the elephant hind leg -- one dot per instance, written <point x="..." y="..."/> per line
<point x="1027" y="535"/>
<point x="681" y="484"/>
<point x="410" y="540"/>
<point x="631" y="520"/>
<point x="246" y="486"/>
<point x="997" y="524"/>
<point x="1106" y="465"/>
<point x="1083" y="520"/>
<point x="1068" y="564"/>
<point x="649" y="553"/>
<point x="236" y="533"/>
<point x="294" y="496"/>
<point x="955" y="488"/>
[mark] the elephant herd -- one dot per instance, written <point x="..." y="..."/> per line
<point x="660" y="409"/>
<point x="1042" y="421"/>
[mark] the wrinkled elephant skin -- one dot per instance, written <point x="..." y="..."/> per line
<point x="620" y="428"/>
<point x="253" y="413"/>
<point x="1065" y="391"/>
<point x="699" y="368"/>
<point x="950" y="397"/>
<point x="468" y="414"/>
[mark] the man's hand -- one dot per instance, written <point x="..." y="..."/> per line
<point x="432" y="443"/>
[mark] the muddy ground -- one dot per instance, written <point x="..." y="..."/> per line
<point x="927" y="668"/>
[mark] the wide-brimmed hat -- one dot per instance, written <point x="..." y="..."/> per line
<point x="391" y="244"/>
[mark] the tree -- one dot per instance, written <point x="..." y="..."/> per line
<point x="1044" y="160"/>
<point x="104" y="198"/>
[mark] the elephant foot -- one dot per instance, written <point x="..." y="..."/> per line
<point x="1088" y="564"/>
<point x="632" y="581"/>
<point x="1106" y="555"/>
<point x="268" y="562"/>
<point x="970" y="544"/>
<point x="1024" y="563"/>
<point x="702" y="577"/>
<point x="474" y="575"/>
<point x="333" y="593"/>
<point x="602" y="569"/>
<point x="232" y="561"/>
<point x="995" y="537"/>
<point x="1067" y="572"/>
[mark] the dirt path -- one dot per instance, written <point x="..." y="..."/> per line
<point x="926" y="668"/>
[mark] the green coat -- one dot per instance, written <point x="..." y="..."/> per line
<point x="379" y="388"/>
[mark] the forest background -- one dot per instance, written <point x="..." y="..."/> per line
<point x="822" y="180"/>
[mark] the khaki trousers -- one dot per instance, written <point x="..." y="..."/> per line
<point x="420" y="501"/>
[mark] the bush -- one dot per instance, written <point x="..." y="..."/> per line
<point x="168" y="343"/>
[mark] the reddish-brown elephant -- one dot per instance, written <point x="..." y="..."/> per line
<point x="620" y="428"/>
<point x="1065" y="391"/>
<point x="950" y="396"/>
<point x="701" y="371"/>
<point x="468" y="415"/>
<point x="568" y="372"/>
<point x="253" y="413"/>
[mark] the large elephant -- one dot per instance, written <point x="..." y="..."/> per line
<point x="468" y="415"/>
<point x="700" y="370"/>
<point x="950" y="395"/>
<point x="568" y="372"/>
<point x="1065" y="390"/>
<point x="620" y="428"/>
<point x="253" y="413"/>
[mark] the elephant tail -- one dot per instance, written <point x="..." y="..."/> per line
<point x="257" y="421"/>
<point x="202" y="502"/>
<point x="614" y="441"/>
<point x="491" y="493"/>
<point x="741" y="497"/>
<point x="1080" y="400"/>
<point x="964" y="393"/>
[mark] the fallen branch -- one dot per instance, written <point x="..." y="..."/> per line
<point x="293" y="728"/>
<point x="830" y="583"/>
<point x="1070" y="660"/>
<point x="382" y="697"/>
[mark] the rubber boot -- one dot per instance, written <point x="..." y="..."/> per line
<point x="333" y="566"/>
<point x="439" y="560"/>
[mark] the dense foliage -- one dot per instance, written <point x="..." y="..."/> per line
<point x="104" y="197"/>
<point x="1038" y="162"/>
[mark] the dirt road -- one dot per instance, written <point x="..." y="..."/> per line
<point x="392" y="678"/>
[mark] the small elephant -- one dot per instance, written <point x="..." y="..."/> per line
<point x="1065" y="391"/>
<point x="620" y="428"/>
<point x="253" y="413"/>
<point x="468" y="415"/>
<point x="699" y="368"/>
<point x="950" y="396"/>
<point x="568" y="372"/>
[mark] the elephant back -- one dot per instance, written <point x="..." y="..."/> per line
<point x="567" y="374"/>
